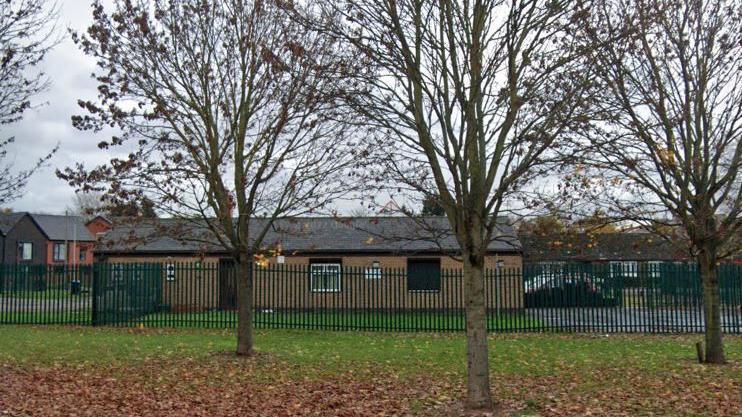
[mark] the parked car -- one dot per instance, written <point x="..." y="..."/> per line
<point x="568" y="290"/>
<point x="562" y="280"/>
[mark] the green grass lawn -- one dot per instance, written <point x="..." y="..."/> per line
<point x="350" y="320"/>
<point x="79" y="317"/>
<point x="47" y="294"/>
<point x="360" y="320"/>
<point x="534" y="374"/>
<point x="332" y="351"/>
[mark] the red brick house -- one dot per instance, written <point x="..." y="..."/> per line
<point x="46" y="239"/>
<point x="98" y="226"/>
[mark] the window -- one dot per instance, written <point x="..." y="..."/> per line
<point x="117" y="272"/>
<point x="551" y="268"/>
<point x="374" y="271"/>
<point x="25" y="251"/>
<point x="59" y="252"/>
<point x="626" y="269"/>
<point x="423" y="275"/>
<point x="170" y="272"/>
<point x="654" y="268"/>
<point x="83" y="254"/>
<point x="324" y="277"/>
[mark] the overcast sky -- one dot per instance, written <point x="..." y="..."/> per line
<point x="43" y="127"/>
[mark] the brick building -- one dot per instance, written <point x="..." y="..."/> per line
<point x="45" y="239"/>
<point x="407" y="259"/>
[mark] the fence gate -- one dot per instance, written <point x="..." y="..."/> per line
<point x="123" y="292"/>
<point x="227" y="285"/>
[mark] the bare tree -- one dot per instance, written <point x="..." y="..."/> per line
<point x="666" y="144"/>
<point x="94" y="203"/>
<point x="87" y="205"/>
<point x="27" y="30"/>
<point x="229" y="109"/>
<point x="469" y="96"/>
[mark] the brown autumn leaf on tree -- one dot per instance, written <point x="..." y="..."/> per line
<point x="27" y="34"/>
<point x="664" y="148"/>
<point x="471" y="97"/>
<point x="229" y="112"/>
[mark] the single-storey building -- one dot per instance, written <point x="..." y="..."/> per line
<point x="627" y="254"/>
<point x="406" y="261"/>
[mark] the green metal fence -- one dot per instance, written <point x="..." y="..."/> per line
<point x="125" y="292"/>
<point x="618" y="297"/>
<point x="39" y="294"/>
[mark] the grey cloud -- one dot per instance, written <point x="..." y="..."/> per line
<point x="48" y="124"/>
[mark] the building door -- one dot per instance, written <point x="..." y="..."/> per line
<point x="227" y="285"/>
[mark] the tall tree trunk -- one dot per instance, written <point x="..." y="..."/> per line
<point x="478" y="395"/>
<point x="244" y="277"/>
<point x="711" y="306"/>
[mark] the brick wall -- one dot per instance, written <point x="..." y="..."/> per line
<point x="98" y="226"/>
<point x="73" y="253"/>
<point x="509" y="261"/>
<point x="357" y="291"/>
<point x="193" y="289"/>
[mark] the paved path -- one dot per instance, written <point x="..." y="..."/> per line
<point x="631" y="320"/>
<point x="73" y="303"/>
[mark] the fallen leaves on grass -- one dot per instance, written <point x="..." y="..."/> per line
<point x="686" y="390"/>
<point x="212" y="387"/>
<point x="222" y="385"/>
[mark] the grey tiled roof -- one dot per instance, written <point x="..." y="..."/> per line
<point x="305" y="234"/>
<point x="57" y="227"/>
<point x="600" y="247"/>
<point x="8" y="220"/>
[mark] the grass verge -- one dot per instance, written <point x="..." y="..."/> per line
<point x="391" y="373"/>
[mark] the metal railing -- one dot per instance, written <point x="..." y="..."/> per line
<point x="647" y="298"/>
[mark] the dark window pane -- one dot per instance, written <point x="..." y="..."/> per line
<point x="423" y="274"/>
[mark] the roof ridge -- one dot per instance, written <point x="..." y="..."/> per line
<point x="55" y="215"/>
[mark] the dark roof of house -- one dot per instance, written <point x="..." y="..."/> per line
<point x="99" y="217"/>
<point x="59" y="227"/>
<point x="600" y="247"/>
<point x="304" y="234"/>
<point x="8" y="220"/>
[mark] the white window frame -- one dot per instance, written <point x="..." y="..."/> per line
<point x="61" y="255"/>
<point x="170" y="272"/>
<point x="654" y="268"/>
<point x="373" y="272"/>
<point x="319" y="277"/>
<point x="22" y="246"/>
<point x="117" y="272"/>
<point x="552" y="268"/>
<point x="628" y="269"/>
